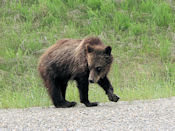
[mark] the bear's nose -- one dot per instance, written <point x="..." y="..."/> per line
<point x="91" y="81"/>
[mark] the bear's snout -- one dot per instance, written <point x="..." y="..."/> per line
<point x="91" y="81"/>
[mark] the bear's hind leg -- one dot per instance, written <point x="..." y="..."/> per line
<point x="63" y="87"/>
<point x="55" y="93"/>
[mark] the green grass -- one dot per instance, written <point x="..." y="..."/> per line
<point x="141" y="33"/>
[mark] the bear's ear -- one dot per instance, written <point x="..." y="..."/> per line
<point x="89" y="48"/>
<point x="108" y="50"/>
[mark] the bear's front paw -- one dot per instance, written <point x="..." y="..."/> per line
<point x="91" y="104"/>
<point x="113" y="97"/>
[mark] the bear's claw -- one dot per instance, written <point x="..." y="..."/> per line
<point x="113" y="97"/>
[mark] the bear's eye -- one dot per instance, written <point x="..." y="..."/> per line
<point x="98" y="69"/>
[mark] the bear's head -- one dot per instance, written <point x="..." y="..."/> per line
<point x="99" y="61"/>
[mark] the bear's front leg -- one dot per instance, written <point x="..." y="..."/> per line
<point x="106" y="85"/>
<point x="83" y="90"/>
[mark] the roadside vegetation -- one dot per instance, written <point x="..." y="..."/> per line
<point x="141" y="33"/>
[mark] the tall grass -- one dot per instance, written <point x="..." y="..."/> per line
<point x="141" y="33"/>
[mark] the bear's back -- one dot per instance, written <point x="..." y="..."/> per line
<point x="68" y="52"/>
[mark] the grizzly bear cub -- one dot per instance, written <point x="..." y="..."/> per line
<point x="83" y="60"/>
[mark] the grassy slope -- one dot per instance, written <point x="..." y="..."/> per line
<point x="141" y="32"/>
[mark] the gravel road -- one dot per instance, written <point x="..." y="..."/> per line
<point x="147" y="115"/>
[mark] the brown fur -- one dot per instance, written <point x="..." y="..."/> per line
<point x="75" y="59"/>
